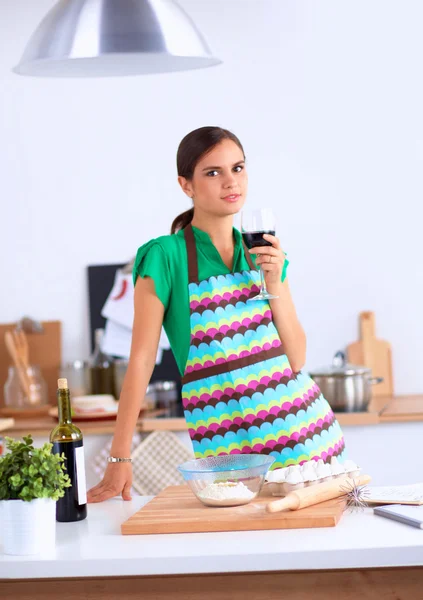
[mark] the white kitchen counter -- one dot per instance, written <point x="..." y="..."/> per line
<point x="96" y="548"/>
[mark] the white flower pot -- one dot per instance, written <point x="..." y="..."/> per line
<point x="28" y="527"/>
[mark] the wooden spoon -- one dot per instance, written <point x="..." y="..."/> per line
<point x="22" y="348"/>
<point x="20" y="368"/>
<point x="21" y="345"/>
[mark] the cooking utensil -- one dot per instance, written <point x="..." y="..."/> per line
<point x="347" y="388"/>
<point x="20" y="368"/>
<point x="35" y="395"/>
<point x="373" y="353"/>
<point x="21" y="345"/>
<point x="317" y="493"/>
<point x="22" y="348"/>
<point x="177" y="510"/>
<point x="227" y="471"/>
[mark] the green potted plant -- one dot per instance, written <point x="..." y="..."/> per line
<point x="31" y="482"/>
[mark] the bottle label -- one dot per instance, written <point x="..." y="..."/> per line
<point x="80" y="477"/>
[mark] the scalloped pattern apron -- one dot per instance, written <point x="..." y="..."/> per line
<point x="239" y="392"/>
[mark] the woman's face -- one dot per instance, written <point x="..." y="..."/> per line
<point x="219" y="183"/>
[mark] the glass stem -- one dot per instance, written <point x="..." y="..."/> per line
<point x="263" y="283"/>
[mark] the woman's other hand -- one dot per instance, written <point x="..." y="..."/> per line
<point x="117" y="480"/>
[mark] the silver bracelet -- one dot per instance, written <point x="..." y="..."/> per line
<point x="114" y="459"/>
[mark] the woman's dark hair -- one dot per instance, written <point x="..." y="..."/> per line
<point x="192" y="148"/>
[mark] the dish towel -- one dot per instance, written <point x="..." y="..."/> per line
<point x="155" y="462"/>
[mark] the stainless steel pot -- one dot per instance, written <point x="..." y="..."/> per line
<point x="347" y="388"/>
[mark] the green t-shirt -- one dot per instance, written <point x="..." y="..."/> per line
<point x="164" y="259"/>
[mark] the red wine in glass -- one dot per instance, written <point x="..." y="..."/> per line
<point x="254" y="224"/>
<point x="254" y="239"/>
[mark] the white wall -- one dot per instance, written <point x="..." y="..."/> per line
<point x="327" y="99"/>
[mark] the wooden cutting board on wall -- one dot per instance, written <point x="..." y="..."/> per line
<point x="373" y="353"/>
<point x="45" y="350"/>
<point x="177" y="510"/>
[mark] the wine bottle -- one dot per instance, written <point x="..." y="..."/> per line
<point x="67" y="439"/>
<point x="101" y="368"/>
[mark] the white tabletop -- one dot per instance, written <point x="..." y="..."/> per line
<point x="95" y="547"/>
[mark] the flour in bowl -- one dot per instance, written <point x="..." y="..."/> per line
<point x="226" y="493"/>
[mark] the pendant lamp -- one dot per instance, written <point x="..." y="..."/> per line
<point x="114" y="38"/>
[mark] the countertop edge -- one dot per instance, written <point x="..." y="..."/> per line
<point x="272" y="562"/>
<point x="381" y="410"/>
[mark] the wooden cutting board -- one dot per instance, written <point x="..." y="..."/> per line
<point x="177" y="510"/>
<point x="374" y="354"/>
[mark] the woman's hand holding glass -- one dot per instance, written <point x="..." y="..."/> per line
<point x="271" y="259"/>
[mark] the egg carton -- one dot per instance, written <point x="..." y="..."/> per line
<point x="286" y="480"/>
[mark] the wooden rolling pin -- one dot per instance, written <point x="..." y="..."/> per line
<point x="316" y="493"/>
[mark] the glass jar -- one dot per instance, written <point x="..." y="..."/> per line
<point x="120" y="367"/>
<point x="16" y="398"/>
<point x="78" y="375"/>
<point x="101" y="368"/>
<point x="166" y="396"/>
<point x="150" y="398"/>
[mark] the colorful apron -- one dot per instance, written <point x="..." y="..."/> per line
<point x="238" y="390"/>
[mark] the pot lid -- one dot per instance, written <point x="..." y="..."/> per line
<point x="340" y="368"/>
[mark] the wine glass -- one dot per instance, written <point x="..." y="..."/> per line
<point x="254" y="224"/>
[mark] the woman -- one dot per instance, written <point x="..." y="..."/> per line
<point x="196" y="282"/>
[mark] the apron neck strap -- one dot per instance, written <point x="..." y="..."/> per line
<point x="192" y="255"/>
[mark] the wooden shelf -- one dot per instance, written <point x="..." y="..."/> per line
<point x="403" y="408"/>
<point x="369" y="417"/>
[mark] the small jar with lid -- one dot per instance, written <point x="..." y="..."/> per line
<point x="14" y="395"/>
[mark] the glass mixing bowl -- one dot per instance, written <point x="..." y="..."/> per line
<point x="230" y="480"/>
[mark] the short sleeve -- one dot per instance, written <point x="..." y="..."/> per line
<point x="284" y="269"/>
<point x="151" y="261"/>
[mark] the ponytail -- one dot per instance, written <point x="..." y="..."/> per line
<point x="182" y="221"/>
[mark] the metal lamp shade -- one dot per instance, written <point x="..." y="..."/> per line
<point x="104" y="38"/>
